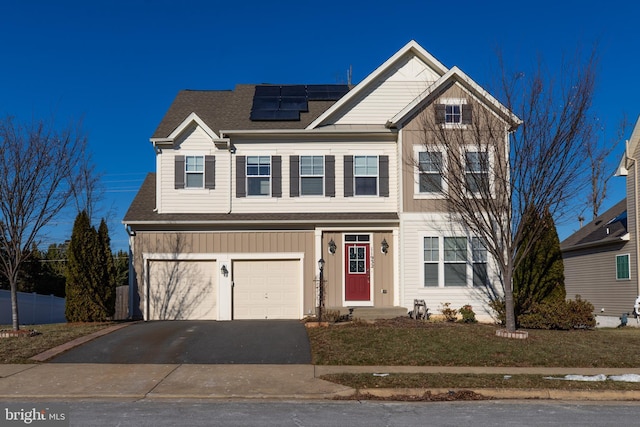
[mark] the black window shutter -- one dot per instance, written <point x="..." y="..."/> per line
<point x="467" y="114"/>
<point x="348" y="176"/>
<point x="241" y="185"/>
<point x="440" y="110"/>
<point x="179" y="172"/>
<point x="210" y="172"/>
<point x="276" y="176"/>
<point x="294" y="176"/>
<point x="330" y="176"/>
<point x="383" y="165"/>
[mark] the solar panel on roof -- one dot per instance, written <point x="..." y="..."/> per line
<point x="274" y="115"/>
<point x="274" y="102"/>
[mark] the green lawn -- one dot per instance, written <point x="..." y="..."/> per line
<point x="416" y="343"/>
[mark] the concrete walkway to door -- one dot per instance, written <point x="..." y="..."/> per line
<point x="198" y="342"/>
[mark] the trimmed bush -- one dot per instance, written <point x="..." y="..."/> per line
<point x="559" y="314"/>
<point x="468" y="315"/>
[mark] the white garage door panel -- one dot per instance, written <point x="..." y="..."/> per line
<point x="182" y="290"/>
<point x="266" y="289"/>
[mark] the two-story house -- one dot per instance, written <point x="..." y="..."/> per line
<point x="601" y="258"/>
<point x="253" y="186"/>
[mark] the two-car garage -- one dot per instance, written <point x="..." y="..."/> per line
<point x="197" y="289"/>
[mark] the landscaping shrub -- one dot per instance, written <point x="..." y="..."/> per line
<point x="559" y="314"/>
<point x="450" y="314"/>
<point x="468" y="315"/>
<point x="499" y="310"/>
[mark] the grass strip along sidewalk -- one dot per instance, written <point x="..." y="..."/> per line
<point x="406" y="342"/>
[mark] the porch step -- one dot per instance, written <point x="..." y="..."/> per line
<point x="373" y="313"/>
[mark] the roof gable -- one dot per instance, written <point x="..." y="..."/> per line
<point x="391" y="86"/>
<point x="457" y="76"/>
<point x="630" y="150"/>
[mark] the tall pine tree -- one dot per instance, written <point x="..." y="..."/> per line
<point x="540" y="275"/>
<point x="90" y="279"/>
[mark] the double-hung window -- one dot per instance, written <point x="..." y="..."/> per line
<point x="623" y="271"/>
<point x="431" y="261"/>
<point x="366" y="175"/>
<point x="311" y="175"/>
<point x="476" y="171"/>
<point x="479" y="255"/>
<point x="258" y="175"/>
<point x="455" y="261"/>
<point x="194" y="171"/>
<point x="430" y="172"/>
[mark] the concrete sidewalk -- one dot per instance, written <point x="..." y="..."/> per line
<point x="134" y="382"/>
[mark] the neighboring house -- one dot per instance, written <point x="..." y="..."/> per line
<point x="254" y="186"/>
<point x="601" y="258"/>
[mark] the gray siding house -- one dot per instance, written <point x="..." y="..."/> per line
<point x="601" y="258"/>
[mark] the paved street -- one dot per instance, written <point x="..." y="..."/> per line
<point x="351" y="413"/>
<point x="198" y="342"/>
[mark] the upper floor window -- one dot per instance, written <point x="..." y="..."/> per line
<point x="623" y="270"/>
<point x="258" y="175"/>
<point x="366" y="175"/>
<point x="194" y="171"/>
<point x="430" y="172"/>
<point x="476" y="171"/>
<point x="453" y="114"/>
<point x="311" y="175"/>
<point x="453" y="111"/>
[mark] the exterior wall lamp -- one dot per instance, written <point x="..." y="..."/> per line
<point x="384" y="247"/>
<point x="224" y="270"/>
<point x="332" y="247"/>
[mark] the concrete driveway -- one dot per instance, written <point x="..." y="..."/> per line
<point x="198" y="342"/>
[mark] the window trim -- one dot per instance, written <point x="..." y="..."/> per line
<point x="628" y="271"/>
<point x="463" y="103"/>
<point x="248" y="176"/>
<point x="417" y="194"/>
<point x="356" y="176"/>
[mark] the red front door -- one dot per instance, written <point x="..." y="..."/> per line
<point x="357" y="265"/>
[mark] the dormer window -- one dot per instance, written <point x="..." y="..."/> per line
<point x="194" y="171"/>
<point x="453" y="112"/>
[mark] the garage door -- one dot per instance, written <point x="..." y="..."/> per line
<point x="182" y="290"/>
<point x="266" y="289"/>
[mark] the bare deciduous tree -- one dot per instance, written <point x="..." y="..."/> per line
<point x="491" y="174"/>
<point x="39" y="167"/>
<point x="600" y="169"/>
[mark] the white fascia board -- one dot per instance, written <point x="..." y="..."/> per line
<point x="346" y="130"/>
<point x="459" y="76"/>
<point x="262" y="222"/>
<point x="193" y="117"/>
<point x="632" y="146"/>
<point x="412" y="46"/>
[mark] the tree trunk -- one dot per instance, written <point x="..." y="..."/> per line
<point x="510" y="322"/>
<point x="14" y="304"/>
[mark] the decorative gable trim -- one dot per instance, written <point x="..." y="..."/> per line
<point x="456" y="75"/>
<point x="410" y="48"/>
<point x="192" y="118"/>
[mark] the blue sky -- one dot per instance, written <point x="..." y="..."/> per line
<point x="117" y="65"/>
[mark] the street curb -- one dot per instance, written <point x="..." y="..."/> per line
<point x="46" y="355"/>
<point x="507" y="393"/>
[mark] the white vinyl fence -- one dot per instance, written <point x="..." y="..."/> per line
<point x="33" y="309"/>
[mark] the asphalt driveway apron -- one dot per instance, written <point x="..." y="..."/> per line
<point x="198" y="342"/>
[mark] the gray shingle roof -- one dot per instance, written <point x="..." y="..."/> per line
<point x="228" y="110"/>
<point x="142" y="208"/>
<point x="606" y="228"/>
